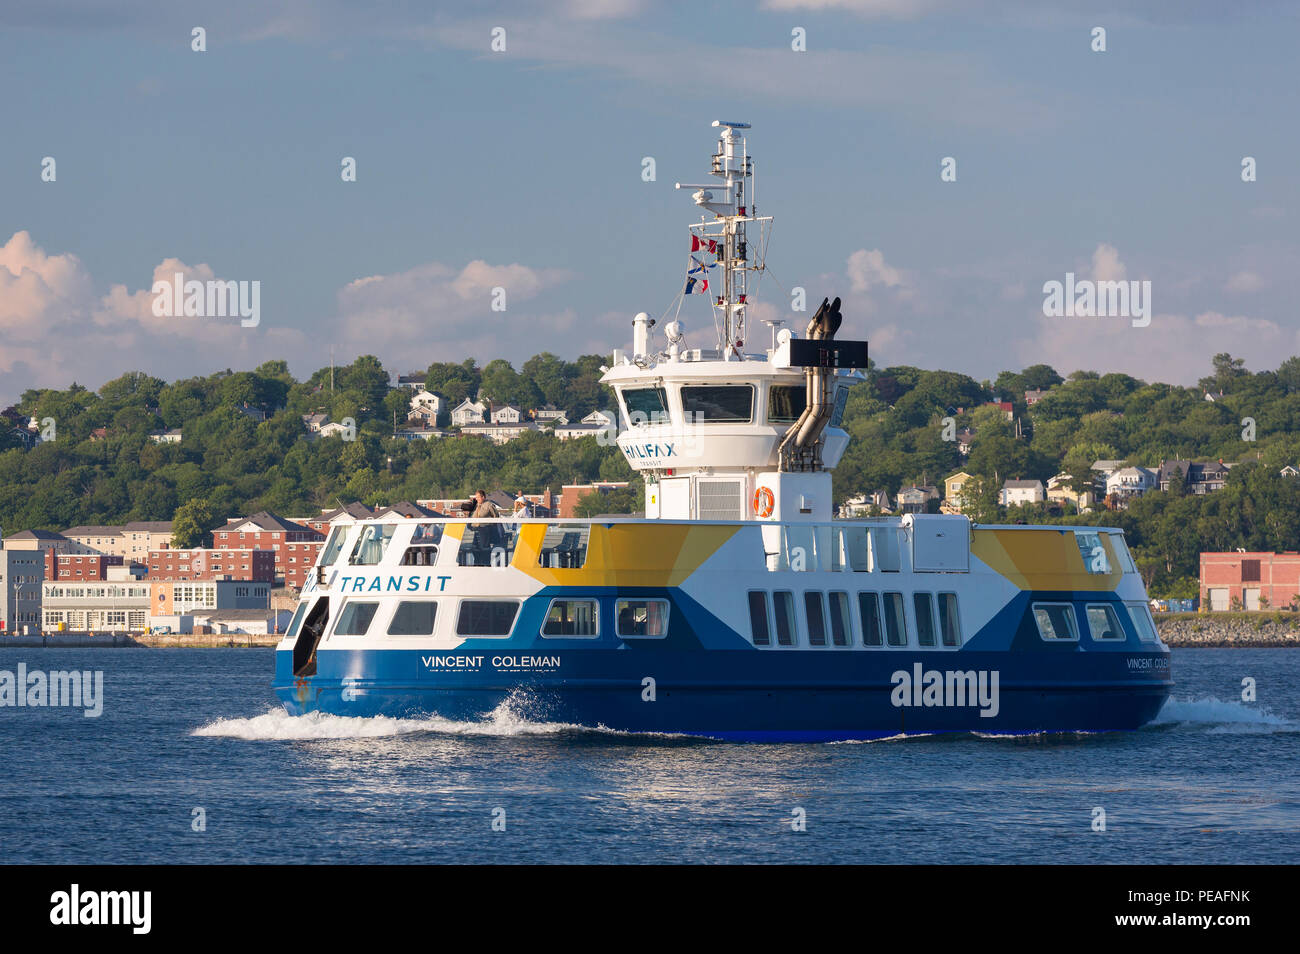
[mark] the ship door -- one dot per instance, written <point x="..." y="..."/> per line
<point x="313" y="627"/>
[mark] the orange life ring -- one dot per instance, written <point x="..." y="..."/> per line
<point x="764" y="502"/>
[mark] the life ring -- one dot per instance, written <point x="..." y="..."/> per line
<point x="764" y="502"/>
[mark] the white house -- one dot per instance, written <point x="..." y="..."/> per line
<point x="499" y="433"/>
<point x="1130" y="482"/>
<point x="334" y="428"/>
<point x="426" y="406"/>
<point x="1016" y="492"/>
<point x="1289" y="471"/>
<point x="172" y="436"/>
<point x="569" y="432"/>
<point x="507" y="414"/>
<point x="468" y="412"/>
<point x="603" y="418"/>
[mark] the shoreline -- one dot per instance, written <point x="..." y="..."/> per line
<point x="1267" y="630"/>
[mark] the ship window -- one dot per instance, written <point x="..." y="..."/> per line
<point x="294" y="623"/>
<point x="645" y="406"/>
<point x="1125" y="556"/>
<point x="423" y="550"/>
<point x="1055" y="620"/>
<point x="924" y="619"/>
<point x="1093" y="553"/>
<point x="372" y="543"/>
<point x="486" y="617"/>
<point x="571" y="618"/>
<point x="564" y="545"/>
<point x="895" y="620"/>
<point x="785" y="402"/>
<point x="413" y="618"/>
<point x="812" y="602"/>
<point x="647" y="618"/>
<point x="949" y="619"/>
<point x="719" y="404"/>
<point x="783" y="604"/>
<point x="488" y="544"/>
<point x="355" y="619"/>
<point x="1103" y="623"/>
<point x="1140" y="613"/>
<point x="759" y="626"/>
<point x="333" y="546"/>
<point x="841" y="625"/>
<point x="869" y="607"/>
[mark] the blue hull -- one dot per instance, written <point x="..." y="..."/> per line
<point x="769" y="696"/>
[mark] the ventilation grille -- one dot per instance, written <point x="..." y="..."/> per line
<point x="719" y="499"/>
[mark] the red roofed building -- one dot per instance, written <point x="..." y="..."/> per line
<point x="295" y="546"/>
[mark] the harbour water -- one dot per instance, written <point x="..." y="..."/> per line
<point x="196" y="735"/>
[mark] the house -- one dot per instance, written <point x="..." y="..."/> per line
<point x="964" y="438"/>
<point x="404" y="508"/>
<point x="1289" y="471"/>
<point x="1017" y="492"/>
<point x="568" y="432"/>
<point x="506" y="414"/>
<point x="414" y="380"/>
<point x="916" y="498"/>
<point x="172" y="436"/>
<point x="1250" y="581"/>
<point x="1006" y="407"/>
<point x="1060" y="492"/>
<point x="1034" y="395"/>
<point x="468" y="412"/>
<point x="952" y="490"/>
<point x="1129" y="482"/>
<point x="335" y="429"/>
<point x="252" y="413"/>
<point x="420" y="432"/>
<point x="499" y="433"/>
<point x="601" y="418"/>
<point x="1198" y="478"/>
<point x="314" y="422"/>
<point x="327" y="518"/>
<point x="426" y="406"/>
<point x="571" y="494"/>
<point x="550" y="414"/>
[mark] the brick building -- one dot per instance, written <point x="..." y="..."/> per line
<point x="294" y="545"/>
<point x="214" y="564"/>
<point x="79" y="566"/>
<point x="1253" y="580"/>
<point x="571" y="494"/>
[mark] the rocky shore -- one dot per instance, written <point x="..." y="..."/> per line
<point x="1241" y="630"/>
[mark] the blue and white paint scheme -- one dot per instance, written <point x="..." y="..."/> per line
<point x="737" y="607"/>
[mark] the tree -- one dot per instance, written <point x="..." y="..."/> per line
<point x="191" y="522"/>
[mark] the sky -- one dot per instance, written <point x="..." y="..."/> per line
<point x="523" y="168"/>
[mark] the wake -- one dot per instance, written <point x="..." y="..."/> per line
<point x="1220" y="717"/>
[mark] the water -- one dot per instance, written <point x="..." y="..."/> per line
<point x="1215" y="780"/>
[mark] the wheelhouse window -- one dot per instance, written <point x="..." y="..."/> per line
<point x="572" y="618"/>
<point x="372" y="543"/>
<point x="486" y="617"/>
<point x="869" y="609"/>
<point x="294" y="623"/>
<point x="1055" y="621"/>
<point x="564" y="546"/>
<point x="641" y="618"/>
<point x="413" y="618"/>
<point x="645" y="406"/>
<point x="355" y="618"/>
<point x="759" y="626"/>
<point x="785" y="402"/>
<point x="719" y="404"/>
<point x="895" y="619"/>
<point x="1094" y="555"/>
<point x="1103" y="623"/>
<point x="949" y="619"/>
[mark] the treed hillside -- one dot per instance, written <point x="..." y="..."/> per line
<point x="228" y="463"/>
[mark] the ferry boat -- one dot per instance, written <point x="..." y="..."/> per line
<point x="738" y="607"/>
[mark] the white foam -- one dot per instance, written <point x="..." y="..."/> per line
<point x="1223" y="716"/>
<point x="277" y="724"/>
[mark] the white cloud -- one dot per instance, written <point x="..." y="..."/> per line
<point x="1244" y="281"/>
<point x="867" y="269"/>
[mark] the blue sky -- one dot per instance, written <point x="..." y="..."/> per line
<point x="523" y="169"/>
